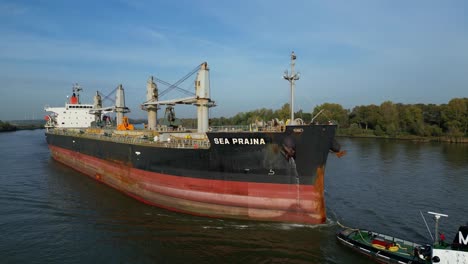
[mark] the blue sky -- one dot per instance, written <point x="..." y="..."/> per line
<point x="349" y="52"/>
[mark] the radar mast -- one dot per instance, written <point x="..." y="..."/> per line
<point x="292" y="78"/>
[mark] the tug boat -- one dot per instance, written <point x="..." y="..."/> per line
<point x="388" y="249"/>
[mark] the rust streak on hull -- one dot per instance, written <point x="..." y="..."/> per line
<point x="204" y="197"/>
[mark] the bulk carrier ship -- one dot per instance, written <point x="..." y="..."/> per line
<point x="269" y="172"/>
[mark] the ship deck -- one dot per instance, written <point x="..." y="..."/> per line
<point x="180" y="138"/>
<point x="172" y="139"/>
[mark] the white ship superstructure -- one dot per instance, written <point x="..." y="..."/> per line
<point x="70" y="116"/>
<point x="74" y="114"/>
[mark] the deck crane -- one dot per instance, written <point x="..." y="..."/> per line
<point x="201" y="97"/>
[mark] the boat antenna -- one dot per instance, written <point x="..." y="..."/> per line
<point x="437" y="217"/>
<point x="76" y="90"/>
<point x="428" y="230"/>
<point x="292" y="78"/>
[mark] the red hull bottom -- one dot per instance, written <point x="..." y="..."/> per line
<point x="212" y="198"/>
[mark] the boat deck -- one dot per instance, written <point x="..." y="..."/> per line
<point x="388" y="249"/>
<point x="384" y="242"/>
<point x="383" y="248"/>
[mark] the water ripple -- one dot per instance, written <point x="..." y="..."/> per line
<point x="52" y="214"/>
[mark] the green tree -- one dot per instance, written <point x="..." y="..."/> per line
<point x="5" y="126"/>
<point x="431" y="114"/>
<point x="390" y="118"/>
<point x="455" y="117"/>
<point x="378" y="131"/>
<point x="332" y="112"/>
<point x="366" y="116"/>
<point x="411" y="119"/>
<point x="283" y="113"/>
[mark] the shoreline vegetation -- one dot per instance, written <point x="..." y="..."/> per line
<point x="416" y="122"/>
<point x="5" y="127"/>
<point x="21" y="125"/>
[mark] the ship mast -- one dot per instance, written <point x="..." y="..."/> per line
<point x="292" y="78"/>
<point x="76" y="90"/>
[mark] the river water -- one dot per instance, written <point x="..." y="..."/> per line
<point x="50" y="213"/>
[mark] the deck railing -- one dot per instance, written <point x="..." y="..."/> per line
<point x="169" y="142"/>
<point x="251" y="128"/>
<point x="162" y="137"/>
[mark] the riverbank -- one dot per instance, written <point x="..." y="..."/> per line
<point x="21" y="125"/>
<point x="413" y="138"/>
<point x="39" y="124"/>
<point x="14" y="128"/>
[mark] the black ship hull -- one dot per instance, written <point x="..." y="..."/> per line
<point x="271" y="176"/>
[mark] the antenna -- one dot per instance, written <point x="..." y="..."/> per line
<point x="428" y="230"/>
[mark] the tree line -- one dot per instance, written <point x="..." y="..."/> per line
<point x="387" y="119"/>
<point x="5" y="126"/>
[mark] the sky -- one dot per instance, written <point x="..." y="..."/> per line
<point x="348" y="52"/>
